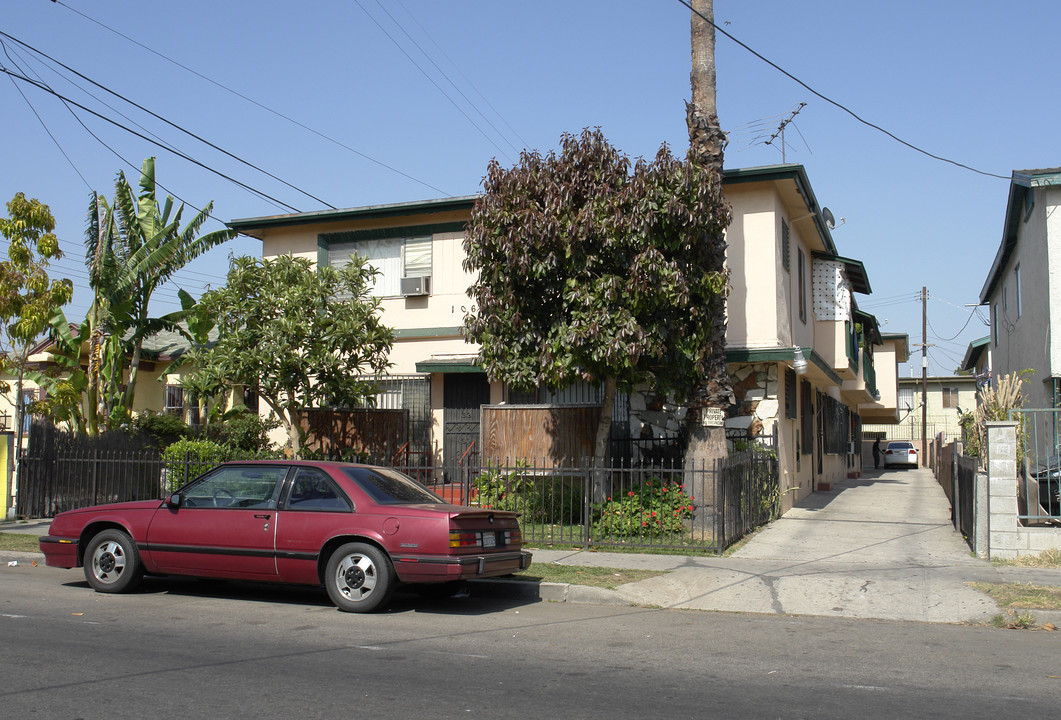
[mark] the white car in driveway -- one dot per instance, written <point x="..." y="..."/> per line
<point x="900" y="452"/>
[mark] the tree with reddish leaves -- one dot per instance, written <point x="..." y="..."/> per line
<point x="590" y="267"/>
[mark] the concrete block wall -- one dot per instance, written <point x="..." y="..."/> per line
<point x="1007" y="538"/>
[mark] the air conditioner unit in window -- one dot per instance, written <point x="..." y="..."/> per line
<point x="413" y="286"/>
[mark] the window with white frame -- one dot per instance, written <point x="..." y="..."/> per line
<point x="393" y="258"/>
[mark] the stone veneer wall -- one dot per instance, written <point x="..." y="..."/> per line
<point x="755" y="389"/>
<point x="755" y="413"/>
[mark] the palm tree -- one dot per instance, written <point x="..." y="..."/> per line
<point x="133" y="247"/>
<point x="706" y="145"/>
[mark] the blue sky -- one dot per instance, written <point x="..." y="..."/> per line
<point x="362" y="102"/>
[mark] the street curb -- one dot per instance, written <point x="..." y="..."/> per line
<point x="546" y="591"/>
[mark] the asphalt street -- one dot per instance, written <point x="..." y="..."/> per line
<point x="187" y="649"/>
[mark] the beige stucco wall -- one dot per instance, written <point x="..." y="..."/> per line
<point x="753" y="258"/>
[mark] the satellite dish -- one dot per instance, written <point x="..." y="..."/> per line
<point x="830" y="221"/>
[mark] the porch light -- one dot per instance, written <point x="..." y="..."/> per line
<point x="799" y="363"/>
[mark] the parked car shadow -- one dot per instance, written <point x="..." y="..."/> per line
<point x="405" y="599"/>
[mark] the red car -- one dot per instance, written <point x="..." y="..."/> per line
<point x="356" y="529"/>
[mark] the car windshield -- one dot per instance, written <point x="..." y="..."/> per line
<point x="389" y="487"/>
<point x="900" y="446"/>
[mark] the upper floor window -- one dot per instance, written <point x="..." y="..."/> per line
<point x="393" y="258"/>
<point x="1016" y="289"/>
<point x="950" y="397"/>
<point x="801" y="272"/>
<point x="786" y="250"/>
<point x="994" y="324"/>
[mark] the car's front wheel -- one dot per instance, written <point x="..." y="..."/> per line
<point x="359" y="578"/>
<point x="112" y="562"/>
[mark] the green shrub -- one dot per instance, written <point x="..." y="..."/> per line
<point x="164" y="429"/>
<point x="245" y="431"/>
<point x="654" y="509"/>
<point x="187" y="459"/>
<point x="545" y="499"/>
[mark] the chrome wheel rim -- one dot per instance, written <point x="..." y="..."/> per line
<point x="356" y="577"/>
<point x="108" y="562"/>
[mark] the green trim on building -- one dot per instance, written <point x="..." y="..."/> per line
<point x="435" y="332"/>
<point x="782" y="355"/>
<point x="345" y="236"/>
<point x="428" y="366"/>
<point x="423" y="207"/>
<point x="322" y="252"/>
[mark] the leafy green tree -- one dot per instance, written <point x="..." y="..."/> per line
<point x="133" y="247"/>
<point x="298" y="336"/>
<point x="28" y="298"/>
<point x="590" y="270"/>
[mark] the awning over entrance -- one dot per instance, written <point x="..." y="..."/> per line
<point x="450" y="363"/>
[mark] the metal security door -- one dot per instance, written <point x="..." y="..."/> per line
<point x="462" y="396"/>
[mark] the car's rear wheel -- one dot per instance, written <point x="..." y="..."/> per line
<point x="112" y="562"/>
<point x="359" y="578"/>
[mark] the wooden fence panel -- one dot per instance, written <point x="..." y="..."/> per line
<point x="541" y="432"/>
<point x="379" y="432"/>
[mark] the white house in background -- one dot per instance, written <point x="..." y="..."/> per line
<point x="807" y="365"/>
<point x="977" y="360"/>
<point x="1023" y="287"/>
<point x="939" y="405"/>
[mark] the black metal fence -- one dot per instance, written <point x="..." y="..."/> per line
<point x="965" y="502"/>
<point x="696" y="509"/>
<point x="1038" y="466"/>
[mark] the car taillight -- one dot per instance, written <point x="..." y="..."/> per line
<point x="513" y="537"/>
<point x="913" y="451"/>
<point x="459" y="539"/>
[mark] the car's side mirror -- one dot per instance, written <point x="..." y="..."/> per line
<point x="173" y="500"/>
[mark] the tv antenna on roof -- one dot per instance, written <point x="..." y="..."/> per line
<point x="781" y="129"/>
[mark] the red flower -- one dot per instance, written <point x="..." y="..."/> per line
<point x="631" y="493"/>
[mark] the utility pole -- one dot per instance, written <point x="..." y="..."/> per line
<point x="924" y="376"/>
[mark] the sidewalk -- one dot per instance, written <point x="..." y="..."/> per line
<point x="880" y="546"/>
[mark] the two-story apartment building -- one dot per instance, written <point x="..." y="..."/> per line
<point x="801" y="354"/>
<point x="1023" y="287"/>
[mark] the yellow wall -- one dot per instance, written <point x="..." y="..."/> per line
<point x="7" y="441"/>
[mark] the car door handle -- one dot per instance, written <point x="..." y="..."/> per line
<point x="263" y="517"/>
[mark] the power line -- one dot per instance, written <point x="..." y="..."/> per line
<point x="431" y="79"/>
<point x="142" y="136"/>
<point x="167" y="121"/>
<point x="463" y="76"/>
<point x="447" y="77"/>
<point x="840" y="106"/>
<point x="47" y="129"/>
<point x="254" y="102"/>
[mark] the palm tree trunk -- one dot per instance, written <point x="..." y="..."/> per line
<point x="706" y="146"/>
